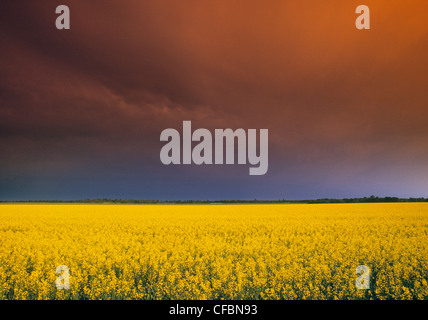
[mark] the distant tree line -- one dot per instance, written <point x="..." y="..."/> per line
<point x="371" y="199"/>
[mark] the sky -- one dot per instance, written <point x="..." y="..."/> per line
<point x="82" y="110"/>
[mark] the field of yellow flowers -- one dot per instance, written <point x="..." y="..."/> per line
<point x="283" y="251"/>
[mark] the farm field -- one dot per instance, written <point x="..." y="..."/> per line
<point x="285" y="251"/>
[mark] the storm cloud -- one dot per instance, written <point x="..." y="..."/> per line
<point x="81" y="110"/>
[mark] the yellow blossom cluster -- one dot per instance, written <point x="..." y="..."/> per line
<point x="280" y="251"/>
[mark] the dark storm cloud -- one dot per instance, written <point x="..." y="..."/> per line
<point x="344" y="108"/>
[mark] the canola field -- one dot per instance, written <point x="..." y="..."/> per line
<point x="283" y="251"/>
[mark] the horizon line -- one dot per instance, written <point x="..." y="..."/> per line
<point x="371" y="198"/>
